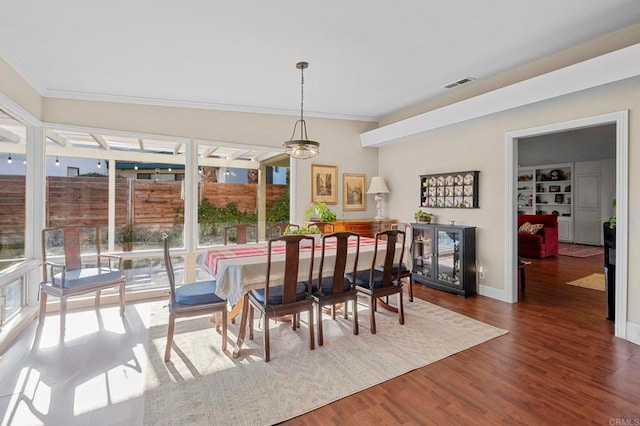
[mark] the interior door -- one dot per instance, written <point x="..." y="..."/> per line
<point x="587" y="209"/>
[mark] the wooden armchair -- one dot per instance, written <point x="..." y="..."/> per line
<point x="279" y="229"/>
<point x="374" y="283"/>
<point x="290" y="298"/>
<point x="73" y="277"/>
<point x="335" y="288"/>
<point x="405" y="270"/>
<point x="240" y="233"/>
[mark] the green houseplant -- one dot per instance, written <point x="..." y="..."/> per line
<point x="321" y="212"/>
<point x="422" y="216"/>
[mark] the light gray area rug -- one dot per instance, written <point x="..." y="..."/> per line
<point x="203" y="386"/>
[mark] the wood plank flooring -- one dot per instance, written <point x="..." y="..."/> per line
<point x="559" y="363"/>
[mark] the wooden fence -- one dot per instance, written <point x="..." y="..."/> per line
<point x="72" y="200"/>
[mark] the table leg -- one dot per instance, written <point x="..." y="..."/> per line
<point x="243" y="325"/>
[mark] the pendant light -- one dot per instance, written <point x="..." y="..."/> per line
<point x="301" y="148"/>
<point x="57" y="161"/>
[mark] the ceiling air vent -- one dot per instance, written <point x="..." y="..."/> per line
<point x="459" y="82"/>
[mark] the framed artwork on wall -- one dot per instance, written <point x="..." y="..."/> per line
<point x="458" y="190"/>
<point x="324" y="184"/>
<point x="354" y="195"/>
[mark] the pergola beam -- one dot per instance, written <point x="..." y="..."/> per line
<point x="103" y="143"/>
<point x="141" y="143"/>
<point x="55" y="137"/>
<point x="8" y="136"/>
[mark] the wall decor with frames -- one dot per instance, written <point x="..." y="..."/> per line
<point x="457" y="190"/>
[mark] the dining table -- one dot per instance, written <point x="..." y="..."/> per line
<point x="238" y="269"/>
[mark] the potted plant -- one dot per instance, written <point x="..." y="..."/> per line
<point x="422" y="216"/>
<point x="320" y="212"/>
<point x="127" y="237"/>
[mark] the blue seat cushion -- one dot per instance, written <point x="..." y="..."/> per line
<point x="197" y="293"/>
<point x="394" y="270"/>
<point x="86" y="277"/>
<point x="362" y="278"/>
<point x="327" y="286"/>
<point x="275" y="294"/>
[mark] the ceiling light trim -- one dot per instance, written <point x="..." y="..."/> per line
<point x="608" y="68"/>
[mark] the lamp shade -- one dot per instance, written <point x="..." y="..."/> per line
<point x="377" y="186"/>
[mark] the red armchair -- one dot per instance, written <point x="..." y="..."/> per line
<point x="544" y="243"/>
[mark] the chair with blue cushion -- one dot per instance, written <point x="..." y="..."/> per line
<point x="336" y="288"/>
<point x="375" y="283"/>
<point x="405" y="270"/>
<point x="241" y="233"/>
<point x="190" y="300"/>
<point x="292" y="297"/>
<point x="73" y="276"/>
<point x="280" y="229"/>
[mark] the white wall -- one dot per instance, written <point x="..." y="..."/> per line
<point x="479" y="145"/>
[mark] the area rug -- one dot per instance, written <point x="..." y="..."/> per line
<point x="593" y="281"/>
<point x="578" y="250"/>
<point x="203" y="386"/>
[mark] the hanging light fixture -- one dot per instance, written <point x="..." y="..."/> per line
<point x="99" y="164"/>
<point x="9" y="160"/>
<point x="301" y="148"/>
<point x="57" y="161"/>
<point x="135" y="167"/>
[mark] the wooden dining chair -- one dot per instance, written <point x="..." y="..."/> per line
<point x="73" y="276"/>
<point x="374" y="283"/>
<point x="405" y="268"/>
<point x="193" y="299"/>
<point x="336" y="288"/>
<point x="292" y="297"/>
<point x="241" y="233"/>
<point x="279" y="229"/>
<point x="324" y="227"/>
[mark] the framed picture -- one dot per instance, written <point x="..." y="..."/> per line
<point x="324" y="184"/>
<point x="559" y="199"/>
<point x="457" y="190"/>
<point x="554" y="188"/>
<point x="354" y="195"/>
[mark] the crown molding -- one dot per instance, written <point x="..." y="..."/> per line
<point x="31" y="79"/>
<point x="96" y="97"/>
<point x="611" y="67"/>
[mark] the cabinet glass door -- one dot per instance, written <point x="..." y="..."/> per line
<point x="449" y="257"/>
<point x="423" y="251"/>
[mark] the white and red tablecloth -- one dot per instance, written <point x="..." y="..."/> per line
<point x="239" y="269"/>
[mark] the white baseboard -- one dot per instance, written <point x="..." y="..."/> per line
<point x="492" y="292"/>
<point x="633" y="332"/>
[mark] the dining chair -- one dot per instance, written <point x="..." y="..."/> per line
<point x="405" y="268"/>
<point x="193" y="299"/>
<point x="74" y="276"/>
<point x="240" y="233"/>
<point x="279" y="229"/>
<point x="336" y="288"/>
<point x="324" y="227"/>
<point x="292" y="297"/>
<point x="374" y="283"/>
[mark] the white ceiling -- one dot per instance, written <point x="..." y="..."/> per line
<point x="367" y="57"/>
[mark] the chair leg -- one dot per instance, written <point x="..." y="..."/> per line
<point x="372" y="314"/>
<point x="172" y="324"/>
<point x="400" y="308"/>
<point x="312" y="339"/>
<point x="410" y="288"/>
<point x="43" y="308"/>
<point x="251" y="313"/>
<point x="333" y="311"/>
<point x="320" y="335"/>
<point x="265" y="334"/>
<point x="355" y="315"/>
<point x="121" y="289"/>
<point x="345" y="309"/>
<point x="224" y="330"/>
<point x="63" y="316"/>
<point x="96" y="302"/>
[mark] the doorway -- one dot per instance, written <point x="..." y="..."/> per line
<point x="620" y="120"/>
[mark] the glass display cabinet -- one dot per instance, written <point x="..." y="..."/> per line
<point x="444" y="257"/>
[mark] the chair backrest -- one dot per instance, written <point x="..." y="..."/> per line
<point x="408" y="238"/>
<point x="324" y="227"/>
<point x="240" y="232"/>
<point x="392" y="237"/>
<point x="73" y="239"/>
<point x="340" y="266"/>
<point x="279" y="229"/>
<point x="291" y="265"/>
<point x="169" y="267"/>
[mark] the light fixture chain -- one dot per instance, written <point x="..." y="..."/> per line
<point x="302" y="94"/>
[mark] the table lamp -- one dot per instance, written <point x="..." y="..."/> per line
<point x="378" y="187"/>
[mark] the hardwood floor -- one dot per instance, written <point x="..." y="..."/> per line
<point x="559" y="363"/>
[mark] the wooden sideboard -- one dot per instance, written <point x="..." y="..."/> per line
<point x="364" y="227"/>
